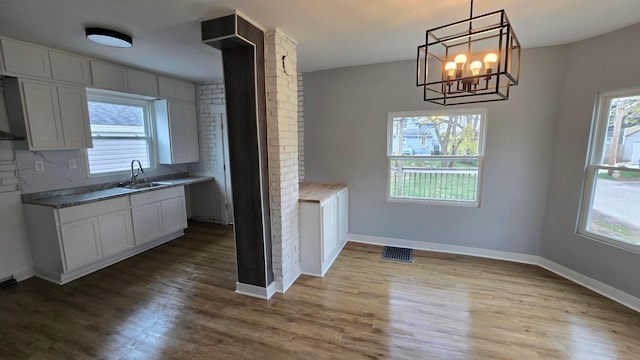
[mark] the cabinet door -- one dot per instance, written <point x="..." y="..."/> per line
<point x="108" y="77"/>
<point x="66" y="67"/>
<point x="190" y="133"/>
<point x="329" y="227"/>
<point x="186" y="91"/>
<point x="174" y="215"/>
<point x="25" y="59"/>
<point x="176" y="89"/>
<point x="80" y="242"/>
<point x="116" y="232"/>
<point x="44" y="125"/>
<point x="74" y="115"/>
<point x="177" y="129"/>
<point x="176" y="132"/>
<point x="343" y="216"/>
<point x="167" y="87"/>
<point x="142" y="83"/>
<point x="147" y="223"/>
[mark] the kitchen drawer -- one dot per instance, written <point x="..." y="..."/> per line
<point x="73" y="213"/>
<point x="152" y="196"/>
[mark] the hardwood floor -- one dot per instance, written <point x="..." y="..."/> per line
<point x="177" y="301"/>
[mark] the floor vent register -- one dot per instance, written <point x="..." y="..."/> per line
<point x="397" y="254"/>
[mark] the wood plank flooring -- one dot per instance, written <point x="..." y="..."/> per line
<point x="177" y="301"/>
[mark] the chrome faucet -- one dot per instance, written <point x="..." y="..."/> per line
<point x="134" y="175"/>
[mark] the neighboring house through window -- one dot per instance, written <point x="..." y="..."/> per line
<point x="120" y="127"/>
<point x="436" y="157"/>
<point x="610" y="205"/>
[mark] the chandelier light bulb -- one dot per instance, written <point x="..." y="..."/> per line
<point x="489" y="60"/>
<point x="460" y="59"/>
<point x="450" y="67"/>
<point x="475" y="67"/>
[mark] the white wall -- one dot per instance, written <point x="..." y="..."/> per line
<point x="595" y="65"/>
<point x="345" y="126"/>
<point x="15" y="255"/>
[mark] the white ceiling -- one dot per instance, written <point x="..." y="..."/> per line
<point x="330" y="33"/>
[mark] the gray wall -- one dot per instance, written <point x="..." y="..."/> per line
<point x="596" y="65"/>
<point x="15" y="254"/>
<point x="345" y="141"/>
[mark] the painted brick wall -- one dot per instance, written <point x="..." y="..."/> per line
<point x="300" y="129"/>
<point x="210" y="105"/>
<point x="282" y="134"/>
<point x="8" y="178"/>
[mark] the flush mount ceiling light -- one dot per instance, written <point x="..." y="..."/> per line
<point x="470" y="61"/>
<point x="109" y="37"/>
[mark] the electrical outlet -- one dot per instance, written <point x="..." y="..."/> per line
<point x="73" y="164"/>
<point x="39" y="164"/>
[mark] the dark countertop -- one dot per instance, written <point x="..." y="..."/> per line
<point x="87" y="194"/>
<point x="314" y="192"/>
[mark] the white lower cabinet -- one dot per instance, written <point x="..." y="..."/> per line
<point x="73" y="241"/>
<point x="116" y="232"/>
<point x="174" y="216"/>
<point x="323" y="231"/>
<point x="148" y="222"/>
<point x="80" y="242"/>
<point x="158" y="213"/>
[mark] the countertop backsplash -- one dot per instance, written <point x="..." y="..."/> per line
<point x="58" y="175"/>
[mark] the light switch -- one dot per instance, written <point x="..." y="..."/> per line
<point x="39" y="164"/>
<point x="73" y="164"/>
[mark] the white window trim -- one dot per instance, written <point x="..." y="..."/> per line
<point x="597" y="141"/>
<point x="479" y="158"/>
<point x="126" y="99"/>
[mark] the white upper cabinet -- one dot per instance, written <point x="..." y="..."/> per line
<point x="142" y="83"/>
<point x="21" y="59"/>
<point x="74" y="114"/>
<point x="42" y="115"/>
<point x="69" y="68"/>
<point x="176" y="89"/>
<point x="31" y="61"/>
<point x="177" y="128"/>
<point x="108" y="76"/>
<point x="51" y="116"/>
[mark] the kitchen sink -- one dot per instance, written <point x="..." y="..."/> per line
<point x="145" y="185"/>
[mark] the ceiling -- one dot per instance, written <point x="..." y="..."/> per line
<point x="330" y="33"/>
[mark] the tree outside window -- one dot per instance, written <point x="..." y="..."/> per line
<point x="611" y="196"/>
<point x="439" y="158"/>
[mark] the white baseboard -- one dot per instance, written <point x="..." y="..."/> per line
<point x="256" y="291"/>
<point x="445" y="248"/>
<point x="283" y="286"/>
<point x="603" y="289"/>
<point x="23" y="274"/>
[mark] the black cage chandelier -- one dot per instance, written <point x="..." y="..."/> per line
<point x="469" y="61"/>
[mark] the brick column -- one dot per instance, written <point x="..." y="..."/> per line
<point x="282" y="139"/>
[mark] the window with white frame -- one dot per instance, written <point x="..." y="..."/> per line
<point x="121" y="132"/>
<point x="611" y="191"/>
<point x="436" y="156"/>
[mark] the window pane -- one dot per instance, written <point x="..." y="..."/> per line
<point x="434" y="179"/>
<point x="119" y="134"/>
<point x="616" y="205"/>
<point x="622" y="143"/>
<point x="116" y="119"/>
<point x="452" y="135"/>
<point x="112" y="155"/>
